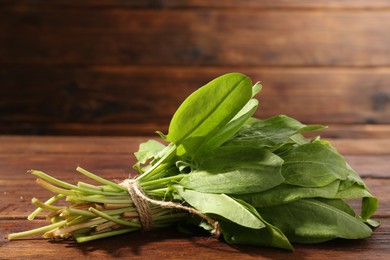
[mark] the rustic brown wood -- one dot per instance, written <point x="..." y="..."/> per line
<point x="26" y="145"/>
<point x="122" y="67"/>
<point x="219" y="37"/>
<point x="355" y="4"/>
<point x="117" y="67"/>
<point x="357" y="131"/>
<point x="109" y="157"/>
<point x="171" y="245"/>
<point x="140" y="100"/>
<point x="334" y="131"/>
<point x="35" y="145"/>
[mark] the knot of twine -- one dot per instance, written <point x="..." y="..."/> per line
<point x="141" y="202"/>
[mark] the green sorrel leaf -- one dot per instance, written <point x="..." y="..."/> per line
<point x="221" y="205"/>
<point x="235" y="170"/>
<point x="313" y="165"/>
<point x="271" y="133"/>
<point x="206" y="111"/>
<point x="309" y="218"/>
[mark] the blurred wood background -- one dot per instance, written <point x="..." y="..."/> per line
<point x="122" y="67"/>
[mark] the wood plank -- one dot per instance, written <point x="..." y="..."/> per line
<point x="357" y="131"/>
<point x="18" y="145"/>
<point x="355" y="4"/>
<point x="380" y="147"/>
<point x="68" y="145"/>
<point x="98" y="100"/>
<point x="120" y="165"/>
<point x="148" y="129"/>
<point x="82" y="129"/>
<point x="370" y="166"/>
<point x="117" y="166"/>
<point x="225" y="37"/>
<point x="19" y="188"/>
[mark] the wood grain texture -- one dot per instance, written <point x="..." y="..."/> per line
<point x="109" y="157"/>
<point x="117" y="67"/>
<point x="167" y="244"/>
<point x="141" y="100"/>
<point x="355" y="4"/>
<point x="218" y="37"/>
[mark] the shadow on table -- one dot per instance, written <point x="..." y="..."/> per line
<point x="171" y="244"/>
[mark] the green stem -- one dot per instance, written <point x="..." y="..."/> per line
<point x="99" y="179"/>
<point x="53" y="188"/>
<point x="53" y="180"/>
<point x="48" y="202"/>
<point x="158" y="192"/>
<point x="35" y="231"/>
<point x="71" y="228"/>
<point x="81" y="184"/>
<point x="126" y="201"/>
<point x="172" y="216"/>
<point x="162" y="180"/>
<point x="114" y="219"/>
<point x="42" y="205"/>
<point x="90" y="189"/>
<point x="99" y="192"/>
<point x="105" y="234"/>
<point x="73" y="211"/>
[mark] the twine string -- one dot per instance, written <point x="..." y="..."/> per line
<point x="143" y="209"/>
<point x="141" y="202"/>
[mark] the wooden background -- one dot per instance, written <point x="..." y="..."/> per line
<point x="122" y="67"/>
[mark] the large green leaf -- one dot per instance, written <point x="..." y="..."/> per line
<point x="233" y="126"/>
<point x="309" y="218"/>
<point x="221" y="205"/>
<point x="231" y="157"/>
<point x="239" y="181"/>
<point x="236" y="123"/>
<point x="285" y="193"/>
<point x="272" y="133"/>
<point x="338" y="204"/>
<point x="235" y="170"/>
<point x="268" y="236"/>
<point x="206" y="111"/>
<point x="314" y="164"/>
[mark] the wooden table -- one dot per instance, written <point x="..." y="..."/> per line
<point x="111" y="157"/>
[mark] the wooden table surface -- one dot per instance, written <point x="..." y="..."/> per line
<point x="111" y="157"/>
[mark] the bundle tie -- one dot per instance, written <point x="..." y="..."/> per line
<point x="145" y="215"/>
<point x="143" y="209"/>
